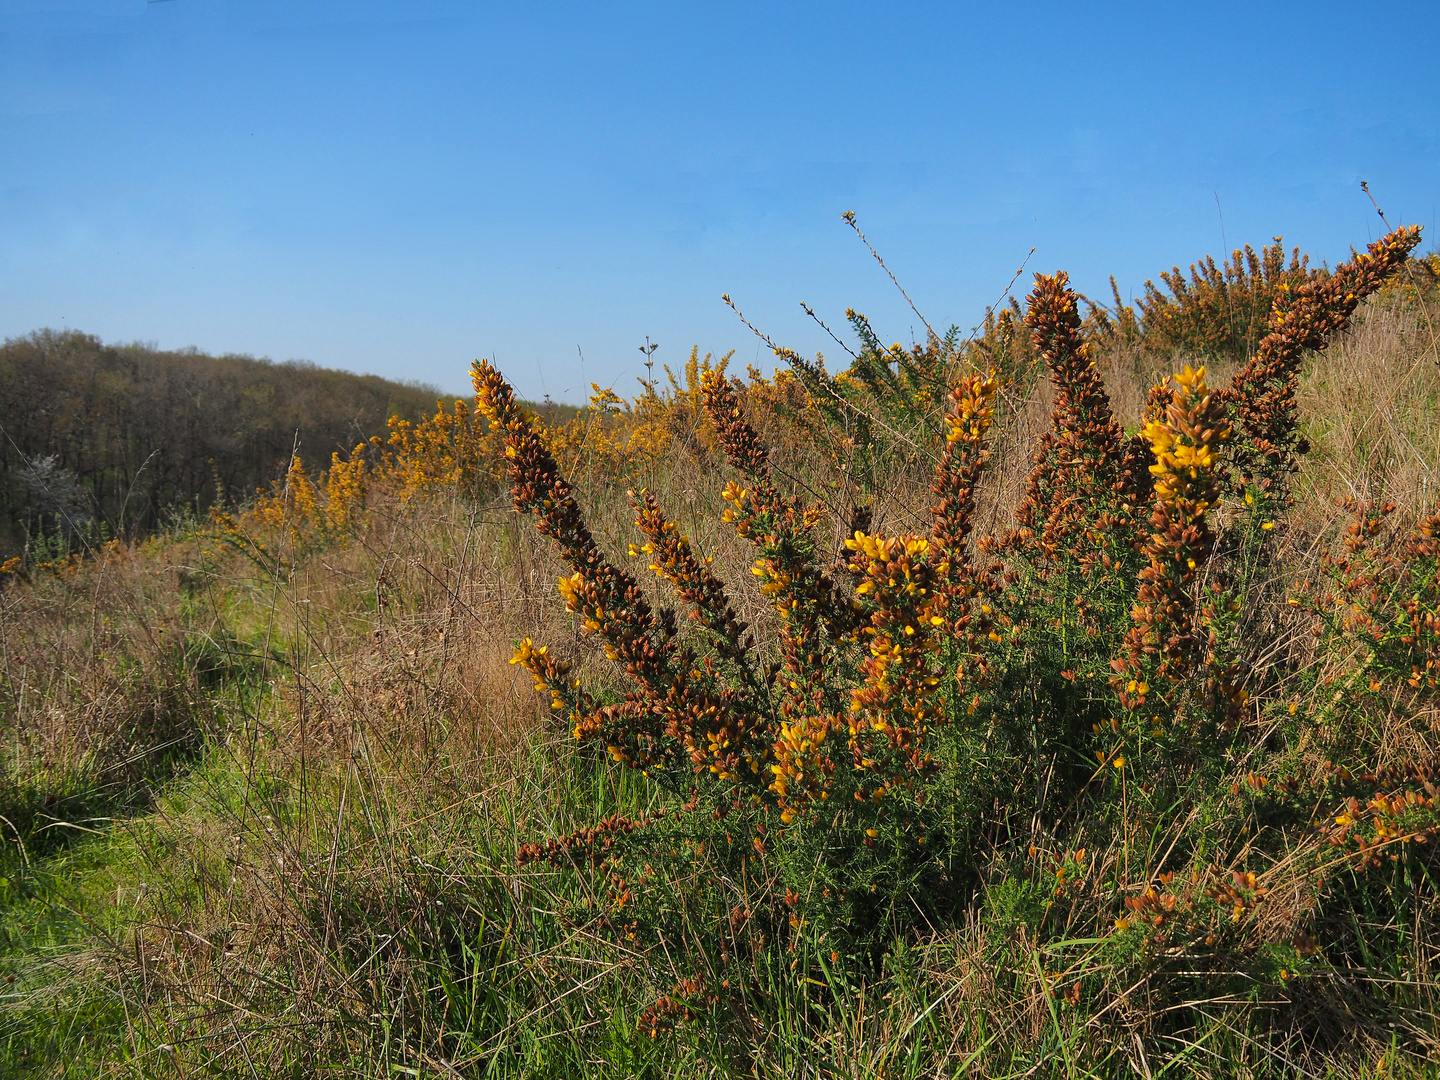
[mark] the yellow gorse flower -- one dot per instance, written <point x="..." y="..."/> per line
<point x="1184" y="450"/>
<point x="1185" y="438"/>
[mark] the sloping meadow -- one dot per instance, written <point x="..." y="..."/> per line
<point x="985" y="707"/>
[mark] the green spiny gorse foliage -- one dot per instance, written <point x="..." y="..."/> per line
<point x="931" y="702"/>
<point x="951" y="739"/>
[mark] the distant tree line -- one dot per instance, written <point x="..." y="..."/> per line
<point x="99" y="440"/>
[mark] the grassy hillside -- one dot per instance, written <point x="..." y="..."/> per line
<point x="982" y="709"/>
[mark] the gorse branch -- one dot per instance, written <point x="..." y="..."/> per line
<point x="1306" y="316"/>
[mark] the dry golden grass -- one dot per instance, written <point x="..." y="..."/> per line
<point x="372" y="761"/>
<point x="101" y="674"/>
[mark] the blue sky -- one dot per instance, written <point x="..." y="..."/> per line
<point x="399" y="187"/>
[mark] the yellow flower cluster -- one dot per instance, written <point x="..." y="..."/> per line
<point x="1184" y="446"/>
<point x="293" y="506"/>
<point x="551" y="675"/>
<point x="453" y="448"/>
<point x="346" y="489"/>
<point x="897" y="587"/>
<point x="296" y="509"/>
<point x="890" y="562"/>
<point x="802" y="770"/>
<point x="1165" y="641"/>
<point x="612" y="438"/>
<point x="972" y="409"/>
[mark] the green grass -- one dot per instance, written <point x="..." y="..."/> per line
<point x="62" y="912"/>
<point x="321" y="878"/>
<point x="452" y="972"/>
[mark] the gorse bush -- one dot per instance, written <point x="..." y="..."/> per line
<point x="457" y="450"/>
<point x="917" y="717"/>
<point x="1219" y="312"/>
<point x="922" y="703"/>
